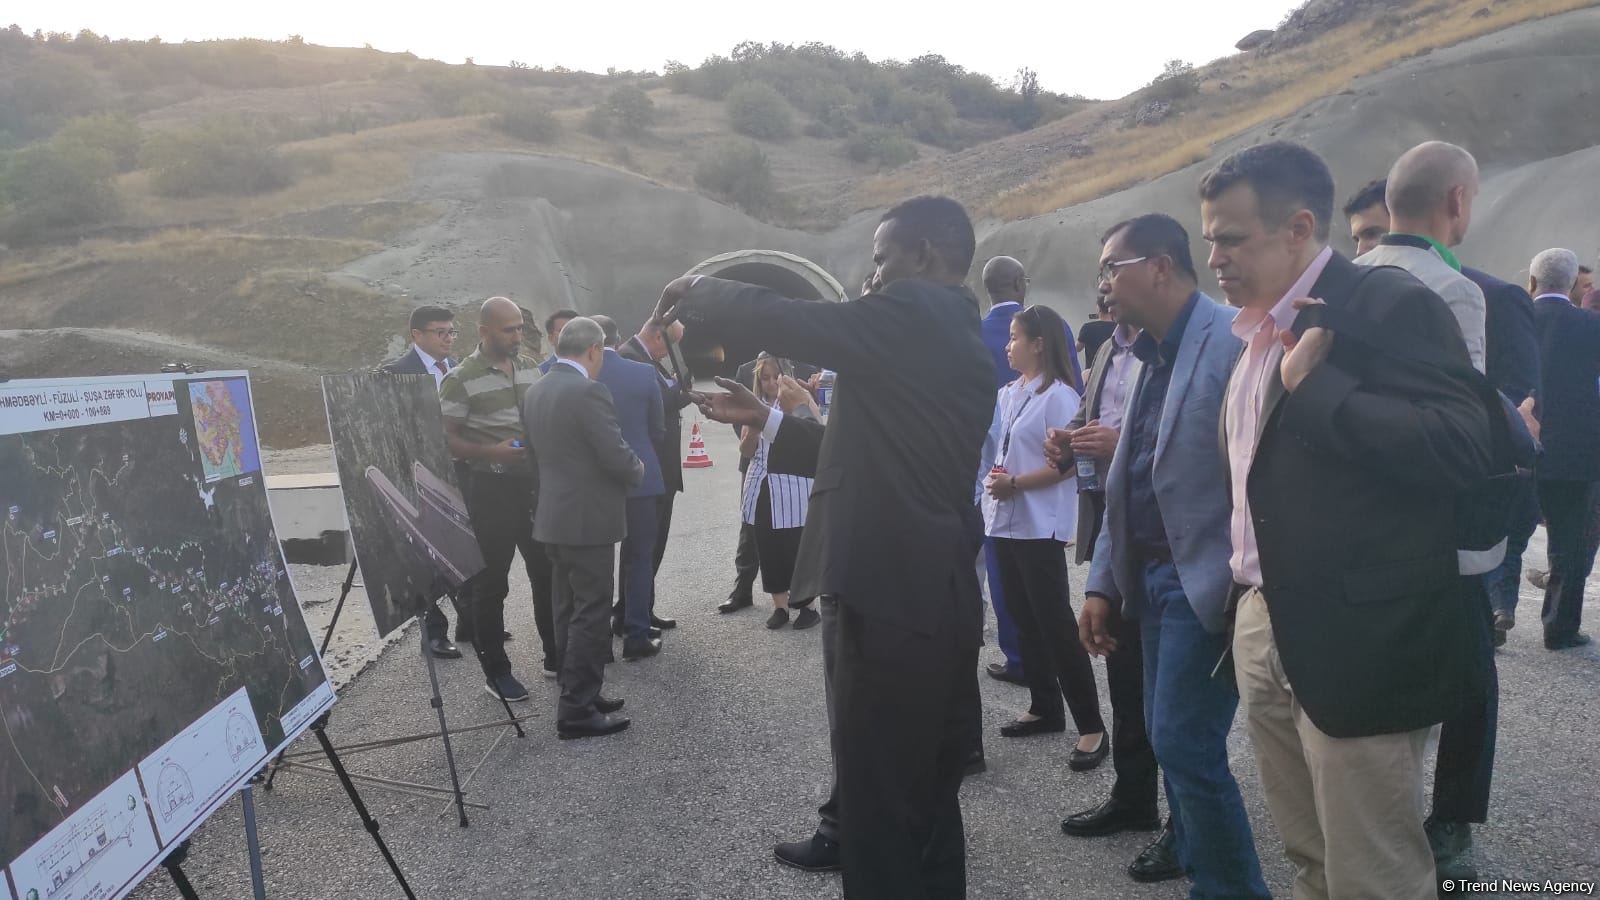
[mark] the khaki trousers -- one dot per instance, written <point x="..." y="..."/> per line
<point x="1350" y="810"/>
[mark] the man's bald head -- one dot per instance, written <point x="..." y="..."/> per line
<point x="500" y="327"/>
<point x="1431" y="189"/>
<point x="1005" y="280"/>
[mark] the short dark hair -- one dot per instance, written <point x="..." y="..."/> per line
<point x="608" y="326"/>
<point x="423" y="316"/>
<point x="559" y="315"/>
<point x="940" y="221"/>
<point x="1585" y="270"/>
<point x="1156" y="234"/>
<point x="1372" y="194"/>
<point x="1286" y="177"/>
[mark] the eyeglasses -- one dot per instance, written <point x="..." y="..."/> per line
<point x="1108" y="269"/>
<point x="443" y="332"/>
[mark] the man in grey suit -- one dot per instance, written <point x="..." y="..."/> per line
<point x="1162" y="555"/>
<point x="585" y="471"/>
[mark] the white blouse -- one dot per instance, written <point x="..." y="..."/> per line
<point x="1025" y="416"/>
<point x="789" y="496"/>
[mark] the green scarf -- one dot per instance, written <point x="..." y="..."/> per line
<point x="1443" y="251"/>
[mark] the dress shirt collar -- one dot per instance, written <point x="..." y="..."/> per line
<point x="1122" y="342"/>
<point x="1162" y="354"/>
<point x="1248" y="321"/>
<point x="1554" y="296"/>
<point x="428" y="362"/>
<point x="563" y="361"/>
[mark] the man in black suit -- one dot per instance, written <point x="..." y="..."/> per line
<point x="891" y="531"/>
<point x="1569" y="413"/>
<point x="433" y="333"/>
<point x="585" y="471"/>
<point x="1352" y="636"/>
<point x="650" y="348"/>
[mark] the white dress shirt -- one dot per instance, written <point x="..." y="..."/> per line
<point x="1025" y="416"/>
<point x="432" y="365"/>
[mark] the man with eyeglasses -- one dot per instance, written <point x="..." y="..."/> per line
<point x="433" y="333"/>
<point x="481" y="399"/>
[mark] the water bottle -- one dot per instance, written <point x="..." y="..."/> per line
<point x="825" y="392"/>
<point x="1087" y="479"/>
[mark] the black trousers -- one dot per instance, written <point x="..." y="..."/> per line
<point x="1566" y="513"/>
<point x="903" y="706"/>
<point x="663" y="527"/>
<point x="746" y="563"/>
<point x="581" y="581"/>
<point x="501" y="507"/>
<point x="1033" y="574"/>
<point x="1466" y="740"/>
<point x="1131" y="754"/>
<point x="435" y="625"/>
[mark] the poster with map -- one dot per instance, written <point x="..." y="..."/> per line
<point x="152" y="652"/>
<point x="408" y="521"/>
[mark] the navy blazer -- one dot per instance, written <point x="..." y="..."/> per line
<point x="997" y="333"/>
<point x="637" y="396"/>
<point x="1569" y="390"/>
<point x="1190" y="475"/>
<point x="1511" y="354"/>
<point x="411" y="364"/>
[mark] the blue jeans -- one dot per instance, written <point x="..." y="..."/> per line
<point x="1505" y="581"/>
<point x="637" y="569"/>
<point x="1188" y="715"/>
<point x="1005" y="626"/>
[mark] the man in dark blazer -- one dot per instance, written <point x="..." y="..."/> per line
<point x="891" y="531"/>
<point x="433" y="334"/>
<point x="585" y="472"/>
<point x="1569" y="414"/>
<point x="637" y="397"/>
<point x="649" y="348"/>
<point x="1352" y="636"/>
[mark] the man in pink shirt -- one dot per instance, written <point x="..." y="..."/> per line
<point x="1351" y="637"/>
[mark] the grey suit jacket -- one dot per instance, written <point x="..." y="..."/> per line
<point x="585" y="467"/>
<point x="1191" y="479"/>
<point x="1088" y="411"/>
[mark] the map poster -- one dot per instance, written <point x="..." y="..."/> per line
<point x="146" y="615"/>
<point x="408" y="521"/>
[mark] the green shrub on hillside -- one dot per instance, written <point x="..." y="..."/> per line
<point x="883" y="147"/>
<point x="116" y="133"/>
<point x="529" y="122"/>
<point x="1177" y="81"/>
<point x="56" y="185"/>
<point x="759" y="111"/>
<point x="221" y="156"/>
<point x="739" y="174"/>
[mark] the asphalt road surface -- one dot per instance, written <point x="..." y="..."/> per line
<point x="728" y="755"/>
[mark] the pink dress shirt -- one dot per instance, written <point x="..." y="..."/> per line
<point x="1118" y="381"/>
<point x="1247" y="391"/>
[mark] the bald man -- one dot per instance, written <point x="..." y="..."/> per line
<point x="1006" y="283"/>
<point x="480" y="400"/>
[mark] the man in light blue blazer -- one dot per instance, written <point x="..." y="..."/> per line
<point x="637" y="396"/>
<point x="1162" y="555"/>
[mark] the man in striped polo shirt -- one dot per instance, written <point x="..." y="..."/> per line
<point x="480" y="399"/>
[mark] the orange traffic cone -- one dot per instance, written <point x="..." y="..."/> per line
<point x="697" y="450"/>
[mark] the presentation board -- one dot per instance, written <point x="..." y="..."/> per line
<point x="408" y="521"/>
<point x="152" y="652"/>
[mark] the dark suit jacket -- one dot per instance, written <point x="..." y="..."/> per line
<point x="1088" y="523"/>
<point x="585" y="467"/>
<point x="1511" y="353"/>
<point x="796" y="448"/>
<point x="1569" y="394"/>
<point x="747" y="373"/>
<point x="637" y="397"/>
<point x="673" y="400"/>
<point x="892" y="529"/>
<point x="411" y="364"/>
<point x="1352" y="493"/>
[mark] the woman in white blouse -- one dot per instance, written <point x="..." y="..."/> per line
<point x="775" y="502"/>
<point x="1030" y="509"/>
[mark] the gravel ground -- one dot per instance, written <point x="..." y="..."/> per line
<point x="728" y="754"/>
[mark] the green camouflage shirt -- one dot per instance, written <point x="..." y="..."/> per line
<point x="489" y="403"/>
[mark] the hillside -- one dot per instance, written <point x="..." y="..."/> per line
<point x="341" y="187"/>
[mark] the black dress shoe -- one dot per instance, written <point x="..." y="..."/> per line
<point x="662" y="623"/>
<point x="635" y="650"/>
<point x="654" y="631"/>
<point x="1566" y="642"/>
<point x="506" y="637"/>
<point x="443" y="649"/>
<point x="1003" y="672"/>
<point x="597" y="725"/>
<point x="1030" y="727"/>
<point x="976" y="764"/>
<point x="1084" y="760"/>
<point x="734" y="604"/>
<point x="816" y="855"/>
<point x="1111" y="817"/>
<point x="1159" y="861"/>
<point x="607" y="706"/>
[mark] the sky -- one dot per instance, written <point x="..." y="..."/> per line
<point x="1101" y="49"/>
